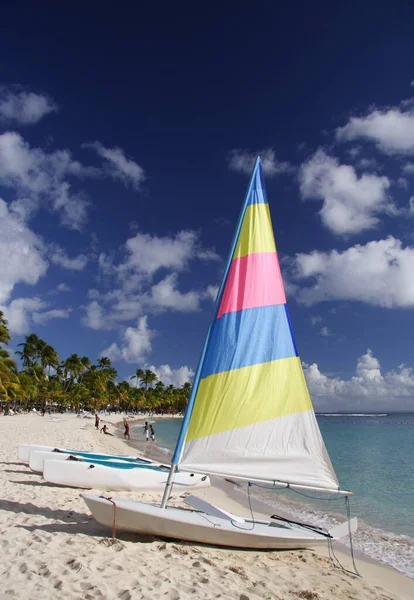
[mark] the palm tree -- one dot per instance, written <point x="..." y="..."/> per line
<point x="30" y="350"/>
<point x="49" y="357"/>
<point x="139" y="375"/>
<point x="5" y="336"/>
<point x="71" y="368"/>
<point x="149" y="378"/>
<point x="9" y="380"/>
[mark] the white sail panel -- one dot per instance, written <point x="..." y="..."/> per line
<point x="250" y="414"/>
<point x="289" y="449"/>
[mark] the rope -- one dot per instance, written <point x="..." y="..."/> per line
<point x="351" y="545"/>
<point x="251" y="513"/>
<point x="114" y="518"/>
<point x="332" y="555"/>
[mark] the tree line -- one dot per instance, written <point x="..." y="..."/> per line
<point x="76" y="383"/>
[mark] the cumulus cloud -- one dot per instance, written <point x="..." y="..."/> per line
<point x="136" y="344"/>
<point x="316" y="320"/>
<point x="165" y="295"/>
<point x="63" y="287"/>
<point x="408" y="169"/>
<point x="169" y="376"/>
<point x="60" y="258"/>
<point x="19" y="313"/>
<point x="325" y="331"/>
<point x="391" y="129"/>
<point x="22" y="253"/>
<point x="20" y="106"/>
<point x="145" y="279"/>
<point x="369" y="389"/>
<point x="118" y="165"/>
<point x="350" y="203"/>
<point x="96" y="317"/>
<point x="377" y="273"/>
<point x="39" y="178"/>
<point x="146" y="254"/>
<point x="56" y="313"/>
<point x="243" y="161"/>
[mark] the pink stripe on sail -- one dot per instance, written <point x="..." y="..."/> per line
<point x="254" y="280"/>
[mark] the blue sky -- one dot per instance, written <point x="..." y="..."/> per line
<point x="126" y="140"/>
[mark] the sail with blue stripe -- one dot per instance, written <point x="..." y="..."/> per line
<point x="250" y="414"/>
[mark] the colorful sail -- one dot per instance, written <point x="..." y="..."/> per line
<point x="250" y="414"/>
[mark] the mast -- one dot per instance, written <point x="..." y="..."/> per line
<point x="187" y="416"/>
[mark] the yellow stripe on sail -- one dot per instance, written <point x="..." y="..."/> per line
<point x="233" y="399"/>
<point x="256" y="234"/>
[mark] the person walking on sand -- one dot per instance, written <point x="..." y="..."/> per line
<point x="152" y="433"/>
<point x="97" y="419"/>
<point x="105" y="430"/>
<point x="126" y="432"/>
<point x="146" y="430"/>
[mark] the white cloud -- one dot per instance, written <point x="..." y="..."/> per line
<point x="146" y="254"/>
<point x="118" y="165"/>
<point x="39" y="179"/>
<point x="56" y="313"/>
<point x="411" y="205"/>
<point x="60" y="258"/>
<point x="408" y="169"/>
<point x="136" y="344"/>
<point x="19" y="313"/>
<point x="391" y="129"/>
<point x="325" y="331"/>
<point x="368" y="390"/>
<point x="20" y="106"/>
<point x="96" y="317"/>
<point x="402" y="183"/>
<point x="176" y="377"/>
<point x="211" y="292"/>
<point x="63" y="287"/>
<point x="164" y="295"/>
<point x="243" y="161"/>
<point x="21" y="253"/>
<point x="367" y="163"/>
<point x="350" y="203"/>
<point x="316" y="320"/>
<point x="135" y="288"/>
<point x="377" y="273"/>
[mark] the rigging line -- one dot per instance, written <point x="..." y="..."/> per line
<point x="251" y="513"/>
<point x="273" y="489"/>
<point x="331" y="548"/>
<point x="351" y="545"/>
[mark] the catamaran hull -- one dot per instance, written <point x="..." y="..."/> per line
<point x="25" y="449"/>
<point x="37" y="458"/>
<point x="100" y="477"/>
<point x="195" y="526"/>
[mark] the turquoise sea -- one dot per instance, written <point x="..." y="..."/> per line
<point x="373" y="455"/>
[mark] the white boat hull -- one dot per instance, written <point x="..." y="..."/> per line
<point x="37" y="458"/>
<point x="99" y="477"/>
<point x="25" y="449"/>
<point x="198" y="526"/>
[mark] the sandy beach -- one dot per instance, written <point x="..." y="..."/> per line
<point x="53" y="548"/>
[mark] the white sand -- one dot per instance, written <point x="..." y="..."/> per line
<point x="52" y="548"/>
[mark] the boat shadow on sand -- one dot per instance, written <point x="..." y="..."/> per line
<point x="72" y="522"/>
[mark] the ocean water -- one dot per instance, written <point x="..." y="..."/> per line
<point x="373" y="455"/>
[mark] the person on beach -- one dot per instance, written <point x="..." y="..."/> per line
<point x="146" y="430"/>
<point x="126" y="432"/>
<point x="97" y="422"/>
<point x="152" y="433"/>
<point x="105" y="430"/>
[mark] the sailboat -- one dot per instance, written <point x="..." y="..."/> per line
<point x="249" y="416"/>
